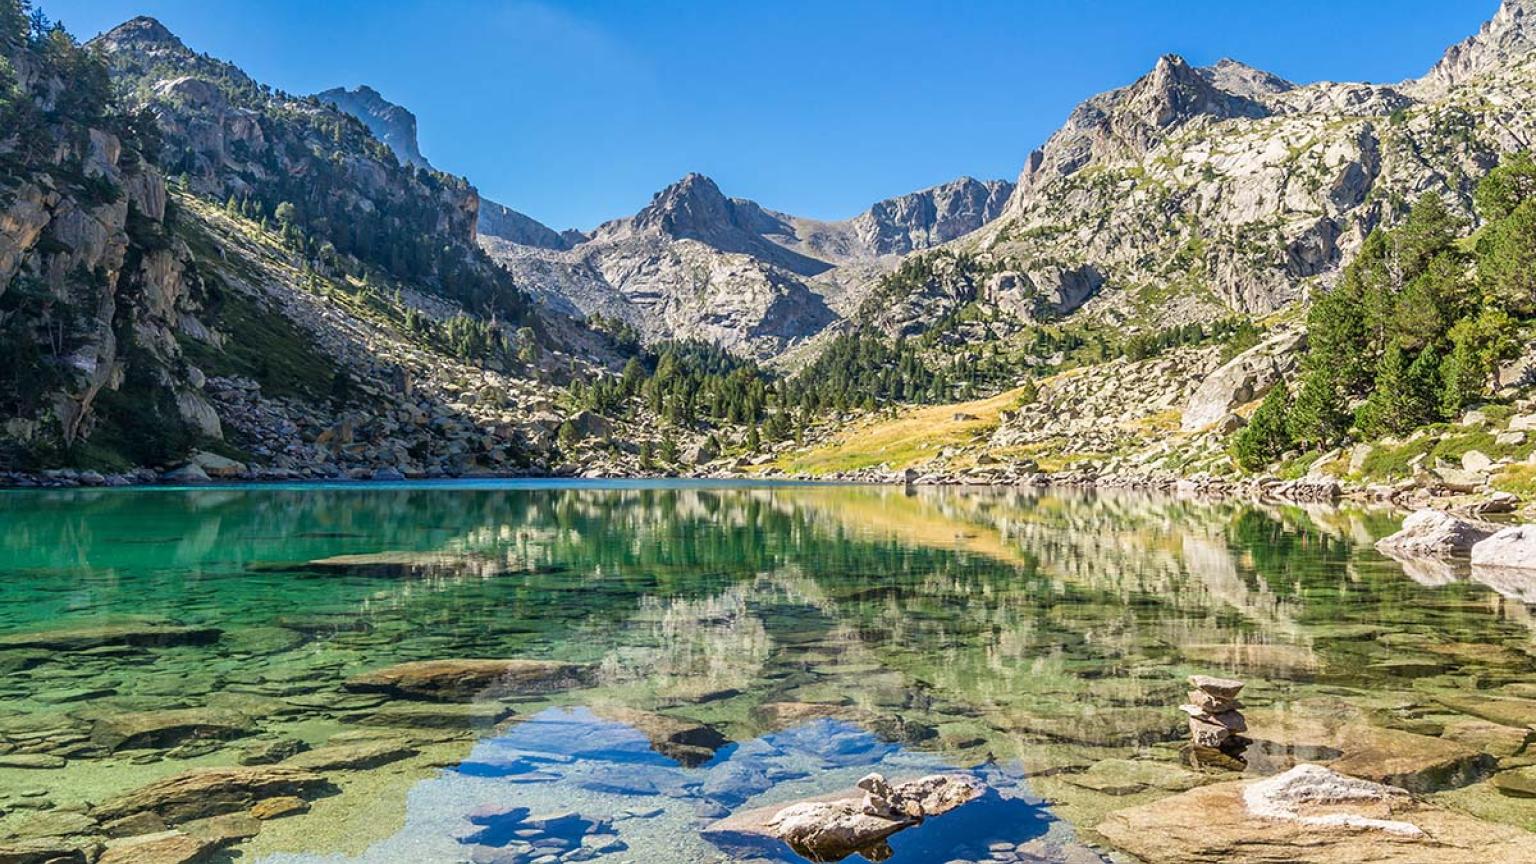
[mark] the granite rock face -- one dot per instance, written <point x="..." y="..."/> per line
<point x="1245" y="378"/>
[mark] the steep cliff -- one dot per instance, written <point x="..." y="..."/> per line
<point x="94" y="286"/>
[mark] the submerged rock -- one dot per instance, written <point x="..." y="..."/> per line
<point x="145" y="634"/>
<point x="464" y="680"/>
<point x="206" y="792"/>
<point x="1435" y="533"/>
<point x="1503" y="710"/>
<point x="474" y="715"/>
<point x="167" y="728"/>
<point x="1310" y="815"/>
<point x="49" y="851"/>
<point x="353" y="756"/>
<point x="686" y="741"/>
<point x="1516" y="783"/>
<point x="166" y="847"/>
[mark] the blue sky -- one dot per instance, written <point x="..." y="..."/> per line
<point x="576" y="112"/>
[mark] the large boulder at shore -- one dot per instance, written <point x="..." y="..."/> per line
<point x="1512" y="548"/>
<point x="1248" y="376"/>
<point x="1435" y="533"/>
<point x="1309" y="815"/>
<point x="205" y="792"/>
<point x="466" y="680"/>
<point x="833" y="827"/>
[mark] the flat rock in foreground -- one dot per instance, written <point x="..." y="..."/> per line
<point x="168" y="847"/>
<point x="206" y="792"/>
<point x="1216" y="825"/>
<point x="465" y="680"/>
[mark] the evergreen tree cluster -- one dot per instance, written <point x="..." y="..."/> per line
<point x="1417" y="326"/>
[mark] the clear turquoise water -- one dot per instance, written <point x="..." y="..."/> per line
<point x="1022" y="634"/>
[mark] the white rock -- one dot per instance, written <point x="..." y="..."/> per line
<point x="1476" y="460"/>
<point x="1283" y="796"/>
<point x="1513" y="548"/>
<point x="1434" y="532"/>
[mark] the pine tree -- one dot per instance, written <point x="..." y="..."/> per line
<point x="1400" y="398"/>
<point x="1265" y="438"/>
<point x="1318" y="417"/>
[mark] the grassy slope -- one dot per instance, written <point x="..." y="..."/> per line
<point x="917" y="435"/>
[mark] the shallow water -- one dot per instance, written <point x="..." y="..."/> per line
<point x="824" y="632"/>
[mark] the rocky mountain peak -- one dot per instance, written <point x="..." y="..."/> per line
<point x="1175" y="92"/>
<point x="142" y="32"/>
<point x="1125" y="124"/>
<point x="1505" y="40"/>
<point x="1240" y="79"/>
<point x="692" y="206"/>
<point x="931" y="216"/>
<point x="390" y="123"/>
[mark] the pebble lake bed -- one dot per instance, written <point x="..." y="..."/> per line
<point x="532" y="672"/>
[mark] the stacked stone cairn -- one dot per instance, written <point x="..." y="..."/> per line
<point x="1215" y="721"/>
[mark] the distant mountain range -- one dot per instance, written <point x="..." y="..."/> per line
<point x="1190" y="194"/>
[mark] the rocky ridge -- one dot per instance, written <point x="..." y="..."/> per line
<point x="695" y="264"/>
<point x="1196" y="192"/>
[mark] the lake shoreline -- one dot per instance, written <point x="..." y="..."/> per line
<point x="1311" y="489"/>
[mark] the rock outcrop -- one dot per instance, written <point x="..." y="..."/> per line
<point x="1503" y="42"/>
<point x="1245" y="378"/>
<point x="390" y="123"/>
<point x="95" y="285"/>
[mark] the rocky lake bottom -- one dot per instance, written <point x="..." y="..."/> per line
<point x="532" y="672"/>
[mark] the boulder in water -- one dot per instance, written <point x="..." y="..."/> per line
<point x="133" y="633"/>
<point x="1512" y="548"/>
<point x="167" y="728"/>
<point x="1435" y="533"/>
<point x="832" y="827"/>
